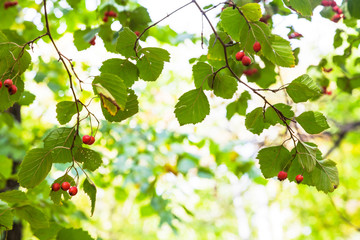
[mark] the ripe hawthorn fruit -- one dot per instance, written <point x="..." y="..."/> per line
<point x="257" y="46"/>
<point x="137" y="33"/>
<point x="73" y="191"/>
<point x="55" y="187"/>
<point x="10" y="4"/>
<point x="65" y="186"/>
<point x="249" y="72"/>
<point x="0" y="84"/>
<point x="239" y="55"/>
<point x="92" y="41"/>
<point x="86" y="139"/>
<point x="299" y="178"/>
<point x="246" y="61"/>
<point x="282" y="175"/>
<point x="105" y="18"/>
<point x="8" y="83"/>
<point x="12" y="89"/>
<point x="92" y="140"/>
<point x="336" y="18"/>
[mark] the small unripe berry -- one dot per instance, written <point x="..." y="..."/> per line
<point x="299" y="178"/>
<point x="55" y="187"/>
<point x="257" y="46"/>
<point x="73" y="191"/>
<point x="282" y="175"/>
<point x="246" y="61"/>
<point x="86" y="139"/>
<point x="12" y="89"/>
<point x="137" y="33"/>
<point x="239" y="55"/>
<point x="92" y="140"/>
<point x="8" y="83"/>
<point x="65" y="186"/>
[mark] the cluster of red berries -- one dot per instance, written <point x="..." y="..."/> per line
<point x="109" y="14"/>
<point x="89" y="140"/>
<point x="92" y="41"/>
<point x="246" y="61"/>
<point x="65" y="186"/>
<point x="295" y="35"/>
<point x="8" y="83"/>
<point x="283" y="175"/>
<point x="10" y="4"/>
<point x="335" y="8"/>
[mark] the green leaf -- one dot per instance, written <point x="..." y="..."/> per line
<point x="193" y="107"/>
<point x="90" y="190"/>
<point x="255" y="121"/>
<point x="201" y="72"/>
<point x="354" y="8"/>
<point x="307" y="155"/>
<point x="26" y="98"/>
<point x="312" y="122"/>
<point x="13" y="197"/>
<point x="302" y="89"/>
<point x="66" y="110"/>
<point x="34" y="216"/>
<point x="252" y="12"/>
<point x="274" y="159"/>
<point x="6" y="217"/>
<point x="35" y="167"/>
<point x="90" y="158"/>
<point x="224" y="85"/>
<point x="6" y="167"/>
<point x="125" y="69"/>
<point x="233" y="23"/>
<point x="304" y="7"/>
<point x="47" y="233"/>
<point x="83" y="37"/>
<point x="126" y="42"/>
<point x="73" y="234"/>
<point x="131" y="108"/>
<point x="59" y="142"/>
<point x="215" y="54"/>
<point x="113" y="91"/>
<point x="239" y="106"/>
<point x="272" y="117"/>
<point x="59" y="196"/>
<point x="151" y="63"/>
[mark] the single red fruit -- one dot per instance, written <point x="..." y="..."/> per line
<point x="257" y="46"/>
<point x="105" y="19"/>
<point x="340" y="11"/>
<point x="137" y="33"/>
<point x="73" y="191"/>
<point x="299" y="178"/>
<point x="8" y="83"/>
<point x="250" y="72"/>
<point x="282" y="175"/>
<point x="10" y="4"/>
<point x="327" y="69"/>
<point x="65" y="186"/>
<point x="332" y="3"/>
<point x="55" y="187"/>
<point x="325" y="3"/>
<point x="336" y="9"/>
<point x="92" y="140"/>
<point x="12" y="89"/>
<point x="328" y="93"/>
<point x="86" y="139"/>
<point x="239" y="55"/>
<point x="246" y="61"/>
<point x="0" y="84"/>
<point x="92" y="41"/>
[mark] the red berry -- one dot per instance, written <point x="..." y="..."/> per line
<point x="0" y="84"/>
<point x="73" y="191"/>
<point x="336" y="9"/>
<point x="246" y="61"/>
<point x="299" y="178"/>
<point x="92" y="140"/>
<point x="65" y="186"/>
<point x="250" y="72"/>
<point x="8" y="83"/>
<point x="239" y="55"/>
<point x="282" y="175"/>
<point x="327" y="69"/>
<point x="257" y="46"/>
<point x="86" y="139"/>
<point x="92" y="41"/>
<point x="336" y="18"/>
<point x="111" y="14"/>
<point x="105" y="19"/>
<point x="12" y="89"/>
<point x="332" y="3"/>
<point x="325" y="3"/>
<point x="10" y="4"/>
<point x="55" y="187"/>
<point x="137" y="33"/>
<point x="328" y="93"/>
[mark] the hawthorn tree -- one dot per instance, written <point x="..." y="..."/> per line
<point x="242" y="52"/>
